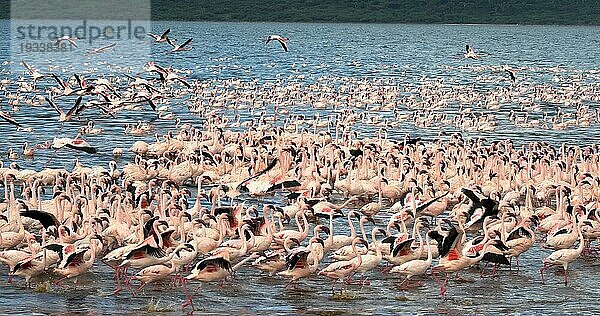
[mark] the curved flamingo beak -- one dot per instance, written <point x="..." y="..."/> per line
<point x="319" y="240"/>
<point x="371" y="219"/>
<point x="364" y="242"/>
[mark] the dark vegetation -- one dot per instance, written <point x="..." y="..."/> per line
<point x="383" y="11"/>
<point x="580" y="12"/>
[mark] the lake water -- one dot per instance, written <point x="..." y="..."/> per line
<point x="405" y="53"/>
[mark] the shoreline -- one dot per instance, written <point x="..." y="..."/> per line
<point x="340" y="23"/>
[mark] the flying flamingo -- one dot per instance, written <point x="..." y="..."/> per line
<point x="160" y="38"/>
<point x="179" y="48"/>
<point x="281" y="40"/>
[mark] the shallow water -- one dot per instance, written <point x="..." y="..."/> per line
<point x="405" y="53"/>
<point x="251" y="293"/>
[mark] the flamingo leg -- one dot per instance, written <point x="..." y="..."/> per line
<point x="187" y="268"/>
<point x="544" y="268"/>
<point x="405" y="281"/>
<point x="118" y="289"/>
<point x="442" y="284"/>
<point x="333" y="287"/>
<point x="495" y="270"/>
<point x="349" y="279"/>
<point x="443" y="288"/>
<point x="364" y="280"/>
<point x="59" y="281"/>
<point x="288" y="284"/>
<point x="189" y="298"/>
<point x="128" y="283"/>
<point x="141" y="286"/>
<point x="586" y="249"/>
<point x="117" y="278"/>
<point x="179" y="279"/>
<point x="482" y="269"/>
<point x="387" y="269"/>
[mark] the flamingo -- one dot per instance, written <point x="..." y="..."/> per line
<point x="213" y="269"/>
<point x="511" y="73"/>
<point x="403" y="251"/>
<point x="300" y="234"/>
<point x="148" y="252"/>
<point x="101" y="49"/>
<point x="29" y="267"/>
<point x="67" y="38"/>
<point x="183" y="255"/>
<point x="347" y="252"/>
<point x="521" y="238"/>
<point x="160" y="38"/>
<point x="371" y="209"/>
<point x="65" y="117"/>
<point x="339" y="270"/>
<point x="563" y="257"/>
<point x="369" y="261"/>
<point x="335" y="242"/>
<point x="324" y="208"/>
<point x="470" y="53"/>
<point x="297" y="266"/>
<point x="8" y="118"/>
<point x="76" y="264"/>
<point x="28" y="151"/>
<point x="562" y="238"/>
<point x="11" y="257"/>
<point x="415" y="267"/>
<point x="35" y="74"/>
<point x="281" y="40"/>
<point x="455" y="262"/>
<point x="154" y="273"/>
<point x="272" y="261"/>
<point x="179" y="48"/>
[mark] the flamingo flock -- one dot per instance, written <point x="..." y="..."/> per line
<point x="293" y="195"/>
<point x="457" y="203"/>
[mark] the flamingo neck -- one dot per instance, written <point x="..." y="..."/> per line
<point x="351" y="226"/>
<point x="357" y="254"/>
<point x="429" y="252"/>
<point x="361" y="225"/>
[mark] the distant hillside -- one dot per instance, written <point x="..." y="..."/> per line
<point x="383" y="11"/>
<point x="579" y="12"/>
